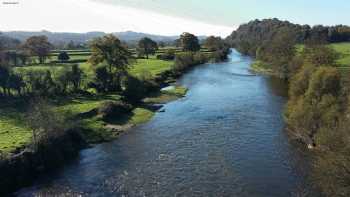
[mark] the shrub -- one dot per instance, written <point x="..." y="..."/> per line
<point x="63" y="56"/>
<point x="111" y="109"/>
<point x="134" y="89"/>
<point x="168" y="55"/>
<point x="45" y="123"/>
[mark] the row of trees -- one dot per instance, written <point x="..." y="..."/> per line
<point x="317" y="112"/>
<point x="18" y="53"/>
<point x="111" y="60"/>
<point x="318" y="107"/>
<point x="251" y="37"/>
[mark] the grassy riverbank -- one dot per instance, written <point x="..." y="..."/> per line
<point x="15" y="134"/>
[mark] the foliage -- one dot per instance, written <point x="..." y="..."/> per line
<point x="186" y="60"/>
<point x="110" y="50"/>
<point x="147" y="47"/>
<point x="113" y="109"/>
<point x="189" y="42"/>
<point x="314" y="102"/>
<point x="249" y="37"/>
<point x="38" y="46"/>
<point x="320" y="55"/>
<point x="214" y="43"/>
<point x="278" y="52"/>
<point x="63" y="56"/>
<point x="134" y="89"/>
<point x="331" y="169"/>
<point x="168" y="55"/>
<point x="44" y="122"/>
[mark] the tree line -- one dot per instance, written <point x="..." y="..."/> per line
<point x="317" y="111"/>
<point x="110" y="59"/>
<point x="252" y="37"/>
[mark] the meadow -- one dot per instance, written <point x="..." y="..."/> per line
<point x="15" y="134"/>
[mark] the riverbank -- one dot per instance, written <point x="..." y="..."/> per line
<point x="20" y="167"/>
<point x="93" y="128"/>
<point x="200" y="146"/>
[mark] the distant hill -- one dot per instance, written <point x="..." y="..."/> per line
<point x="54" y="37"/>
<point x="65" y="37"/>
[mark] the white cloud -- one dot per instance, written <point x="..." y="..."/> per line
<point x="86" y="15"/>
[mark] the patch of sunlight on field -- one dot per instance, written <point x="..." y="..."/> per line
<point x="152" y="66"/>
<point x="13" y="134"/>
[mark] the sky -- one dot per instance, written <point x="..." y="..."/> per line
<point x="164" y="17"/>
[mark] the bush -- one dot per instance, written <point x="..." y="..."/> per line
<point x="111" y="109"/>
<point x="314" y="102"/>
<point x="184" y="61"/>
<point x="63" y="56"/>
<point x="168" y="55"/>
<point x="134" y="89"/>
<point x="45" y="123"/>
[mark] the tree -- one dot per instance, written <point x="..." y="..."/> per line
<point x="38" y="46"/>
<point x="15" y="82"/>
<point x="314" y="103"/>
<point x="109" y="50"/>
<point x="161" y="44"/>
<point x="63" y="56"/>
<point x="75" y="76"/>
<point x="279" y="52"/>
<point x="102" y="79"/>
<point x="4" y="75"/>
<point x="147" y="47"/>
<point x="135" y="89"/>
<point x="189" y="42"/>
<point x="62" y="79"/>
<point x="320" y="55"/>
<point x="214" y="43"/>
<point x="45" y="123"/>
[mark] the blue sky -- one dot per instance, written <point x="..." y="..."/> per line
<point x="165" y="17"/>
<point x="233" y="12"/>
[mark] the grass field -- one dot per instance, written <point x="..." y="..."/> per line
<point x="151" y="66"/>
<point x="14" y="134"/>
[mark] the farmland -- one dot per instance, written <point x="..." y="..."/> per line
<point x="15" y="133"/>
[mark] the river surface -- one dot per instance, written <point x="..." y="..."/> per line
<point x="225" y="138"/>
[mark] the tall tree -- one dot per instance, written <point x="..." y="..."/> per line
<point x="147" y="47"/>
<point x="38" y="46"/>
<point x="76" y="76"/>
<point x="214" y="43"/>
<point x="189" y="42"/>
<point x="109" y="50"/>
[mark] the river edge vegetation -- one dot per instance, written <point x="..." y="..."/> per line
<point x="315" y="61"/>
<point x="85" y="96"/>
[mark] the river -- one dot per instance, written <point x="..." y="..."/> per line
<point x="225" y="138"/>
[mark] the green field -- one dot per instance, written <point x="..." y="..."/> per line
<point x="14" y="134"/>
<point x="150" y="66"/>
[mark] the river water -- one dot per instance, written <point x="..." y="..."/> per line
<point x="225" y="138"/>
